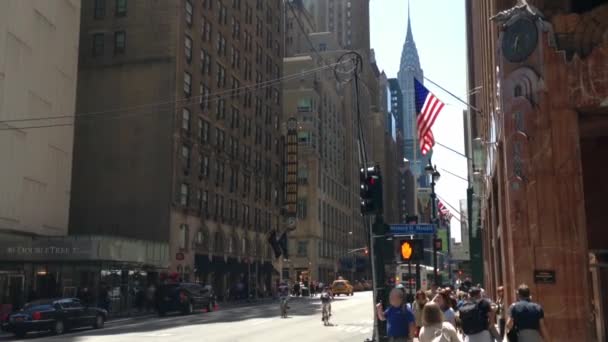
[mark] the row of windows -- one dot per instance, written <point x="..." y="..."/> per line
<point x="261" y="136"/>
<point x="100" y="6"/>
<point x="220" y="208"/>
<point x="99" y="41"/>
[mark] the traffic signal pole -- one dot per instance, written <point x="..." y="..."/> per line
<point x="377" y="239"/>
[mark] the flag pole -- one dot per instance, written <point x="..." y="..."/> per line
<point x="454" y="96"/>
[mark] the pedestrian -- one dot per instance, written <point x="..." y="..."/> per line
<point x="434" y="328"/>
<point x="475" y="317"/>
<point x="445" y="303"/>
<point x="526" y="319"/>
<point x="500" y="312"/>
<point x="432" y="292"/>
<point x="417" y="308"/>
<point x="400" y="320"/>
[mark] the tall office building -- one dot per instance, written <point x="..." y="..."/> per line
<point x="408" y="71"/>
<point x="38" y="73"/>
<point x="329" y="240"/>
<point x="193" y="156"/>
<point x="348" y="20"/>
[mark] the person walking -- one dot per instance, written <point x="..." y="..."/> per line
<point x="445" y="303"/>
<point x="526" y="319"/>
<point x="417" y="307"/>
<point x="475" y="317"/>
<point x="434" y="327"/>
<point x="500" y="312"/>
<point x="400" y="320"/>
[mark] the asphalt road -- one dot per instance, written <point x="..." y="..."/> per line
<point x="351" y="321"/>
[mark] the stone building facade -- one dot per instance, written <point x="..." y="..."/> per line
<point x="542" y="122"/>
<point x="38" y="74"/>
<point x="188" y="150"/>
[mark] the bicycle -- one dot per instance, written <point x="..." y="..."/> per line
<point x="284" y="307"/>
<point x="325" y="314"/>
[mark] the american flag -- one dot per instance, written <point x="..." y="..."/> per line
<point x="428" y="107"/>
<point x="444" y="212"/>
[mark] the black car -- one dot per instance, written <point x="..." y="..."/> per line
<point x="184" y="298"/>
<point x="55" y="315"/>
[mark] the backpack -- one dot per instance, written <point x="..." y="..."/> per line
<point x="472" y="318"/>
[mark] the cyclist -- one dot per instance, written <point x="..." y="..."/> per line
<point x="326" y="297"/>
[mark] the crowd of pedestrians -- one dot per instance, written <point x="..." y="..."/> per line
<point x="450" y="315"/>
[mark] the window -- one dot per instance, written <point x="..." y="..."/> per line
<point x="121" y="8"/>
<point x="199" y="202"/>
<point x="189" y="12"/>
<point x="236" y="84"/>
<point x="219" y="137"/>
<point x="302" y="248"/>
<point x="203" y="128"/>
<point x="206" y="30"/>
<point x="205" y="202"/>
<point x="221" y="76"/>
<point x="187" y="84"/>
<point x="205" y="93"/>
<point x="188" y="48"/>
<point x="221" y="45"/>
<point x="184" y="233"/>
<point x="222" y="14"/>
<point x="186" y="119"/>
<point x="221" y="109"/>
<point x="186" y="156"/>
<point x="98" y="44"/>
<point x="205" y="63"/>
<point x="183" y="198"/>
<point x="208" y="4"/>
<point x="204" y="166"/>
<point x="234" y="122"/>
<point x="236" y="29"/>
<point x="100" y="9"/>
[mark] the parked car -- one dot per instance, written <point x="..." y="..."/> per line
<point x="342" y="287"/>
<point x="185" y="298"/>
<point x="367" y="285"/>
<point x="55" y="315"/>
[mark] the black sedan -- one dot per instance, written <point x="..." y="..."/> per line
<point x="55" y="315"/>
<point x="184" y="298"/>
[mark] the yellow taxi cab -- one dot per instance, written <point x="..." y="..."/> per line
<point x="342" y="286"/>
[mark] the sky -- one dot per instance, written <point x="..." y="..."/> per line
<point x="440" y="35"/>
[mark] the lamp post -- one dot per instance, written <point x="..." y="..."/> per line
<point x="434" y="175"/>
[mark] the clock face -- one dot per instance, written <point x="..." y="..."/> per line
<point x="519" y="40"/>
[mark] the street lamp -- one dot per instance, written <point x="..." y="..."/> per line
<point x="434" y="175"/>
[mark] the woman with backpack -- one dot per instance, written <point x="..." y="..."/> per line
<point x="434" y="328"/>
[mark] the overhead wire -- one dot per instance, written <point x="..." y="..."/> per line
<point x="210" y="99"/>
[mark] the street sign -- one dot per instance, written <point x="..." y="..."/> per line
<point x="412" y="229"/>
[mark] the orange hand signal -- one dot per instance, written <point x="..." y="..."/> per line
<point x="406" y="250"/>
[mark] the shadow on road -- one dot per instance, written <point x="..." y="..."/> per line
<point x="299" y="307"/>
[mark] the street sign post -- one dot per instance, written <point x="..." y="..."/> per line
<point x="412" y="229"/>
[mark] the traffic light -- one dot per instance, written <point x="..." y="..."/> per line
<point x="371" y="190"/>
<point x="411" y="219"/>
<point x="409" y="250"/>
<point x="366" y="251"/>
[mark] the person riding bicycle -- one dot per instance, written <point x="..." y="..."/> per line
<point x="326" y="297"/>
<point x="283" y="296"/>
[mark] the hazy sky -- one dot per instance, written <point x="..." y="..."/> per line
<point x="440" y="35"/>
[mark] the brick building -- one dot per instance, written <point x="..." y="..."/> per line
<point x="192" y="156"/>
<point x="540" y="79"/>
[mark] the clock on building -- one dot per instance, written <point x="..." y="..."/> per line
<point x="519" y="40"/>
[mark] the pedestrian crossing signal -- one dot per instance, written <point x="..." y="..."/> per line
<point x="406" y="250"/>
<point x="410" y="250"/>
